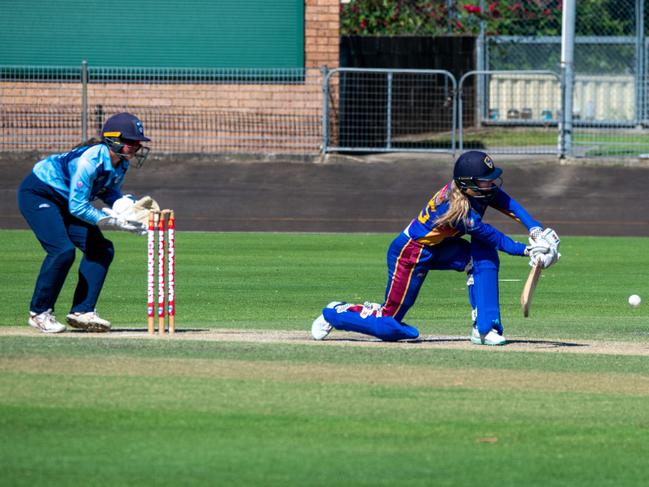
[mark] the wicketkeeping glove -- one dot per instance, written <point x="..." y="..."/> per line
<point x="123" y="204"/>
<point x="114" y="222"/>
<point x="133" y="211"/>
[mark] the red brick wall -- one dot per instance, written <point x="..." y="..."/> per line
<point x="321" y="33"/>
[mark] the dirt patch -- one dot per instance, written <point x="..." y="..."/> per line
<point x="343" y="339"/>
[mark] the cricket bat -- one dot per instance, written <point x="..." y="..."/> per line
<point x="528" y="290"/>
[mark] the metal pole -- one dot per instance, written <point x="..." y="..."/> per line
<point x="388" y="135"/>
<point x="641" y="109"/>
<point x="480" y="108"/>
<point x="84" y="100"/>
<point x="325" y="108"/>
<point x="567" y="77"/>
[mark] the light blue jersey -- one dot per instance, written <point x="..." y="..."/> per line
<point x="82" y="175"/>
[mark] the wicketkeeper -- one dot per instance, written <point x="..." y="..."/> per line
<point x="433" y="241"/>
<point x="55" y="199"/>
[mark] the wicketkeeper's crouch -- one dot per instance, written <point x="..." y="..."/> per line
<point x="433" y="241"/>
<point x="55" y="199"/>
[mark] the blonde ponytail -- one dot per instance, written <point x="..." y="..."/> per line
<point x="458" y="208"/>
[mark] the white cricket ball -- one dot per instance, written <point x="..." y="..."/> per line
<point x="634" y="300"/>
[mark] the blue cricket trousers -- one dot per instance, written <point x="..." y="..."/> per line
<point x="46" y="212"/>
<point x="408" y="265"/>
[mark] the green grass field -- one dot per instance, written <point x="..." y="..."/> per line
<point x="110" y="410"/>
<point x="592" y="142"/>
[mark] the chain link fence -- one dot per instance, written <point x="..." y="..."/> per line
<point x="185" y="111"/>
<point x="384" y="110"/>
<point x="610" y="111"/>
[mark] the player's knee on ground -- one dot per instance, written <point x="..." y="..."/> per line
<point x="385" y="328"/>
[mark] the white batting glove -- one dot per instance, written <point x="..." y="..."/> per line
<point x="546" y="260"/>
<point x="535" y="233"/>
<point x="537" y="248"/>
<point x="547" y="236"/>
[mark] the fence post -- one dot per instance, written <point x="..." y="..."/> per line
<point x="480" y="82"/>
<point x="641" y="109"/>
<point x="84" y="100"/>
<point x="325" y="108"/>
<point x="388" y="135"/>
<point x="567" y="77"/>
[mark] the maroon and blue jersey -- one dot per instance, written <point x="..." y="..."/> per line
<point x="424" y="229"/>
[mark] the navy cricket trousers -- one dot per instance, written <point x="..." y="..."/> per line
<point x="46" y="212"/>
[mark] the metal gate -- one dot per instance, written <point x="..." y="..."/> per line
<point x="385" y="110"/>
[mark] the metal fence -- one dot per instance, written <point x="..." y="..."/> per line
<point x="381" y="110"/>
<point x="186" y="111"/>
<point x="523" y="115"/>
<point x="304" y="111"/>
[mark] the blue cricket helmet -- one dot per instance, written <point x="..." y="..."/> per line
<point x="125" y="127"/>
<point x="473" y="167"/>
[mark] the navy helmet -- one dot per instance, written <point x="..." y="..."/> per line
<point x="474" y="167"/>
<point x="123" y="128"/>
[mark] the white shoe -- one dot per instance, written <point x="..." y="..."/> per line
<point x="89" y="321"/>
<point x="45" y="322"/>
<point x="491" y="338"/>
<point x="320" y="327"/>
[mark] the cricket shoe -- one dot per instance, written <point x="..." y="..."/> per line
<point x="89" y="321"/>
<point x="320" y="327"/>
<point x="491" y="338"/>
<point x="45" y="322"/>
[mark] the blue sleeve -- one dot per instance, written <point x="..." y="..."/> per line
<point x="82" y="176"/>
<point x="492" y="236"/>
<point x="510" y="207"/>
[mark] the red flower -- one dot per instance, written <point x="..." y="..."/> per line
<point x="493" y="6"/>
<point x="472" y="9"/>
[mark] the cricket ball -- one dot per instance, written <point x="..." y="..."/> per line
<point x="634" y="300"/>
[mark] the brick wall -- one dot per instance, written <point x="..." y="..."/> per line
<point x="321" y="33"/>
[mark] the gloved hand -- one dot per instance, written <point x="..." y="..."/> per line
<point x="134" y="211"/>
<point x="124" y="204"/>
<point x="546" y="260"/>
<point x="547" y="236"/>
<point x="114" y="222"/>
<point x="536" y="249"/>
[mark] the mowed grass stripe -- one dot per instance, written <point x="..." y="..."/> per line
<point x="399" y="376"/>
<point x="319" y="354"/>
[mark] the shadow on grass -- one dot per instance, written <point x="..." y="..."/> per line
<point x="530" y="343"/>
